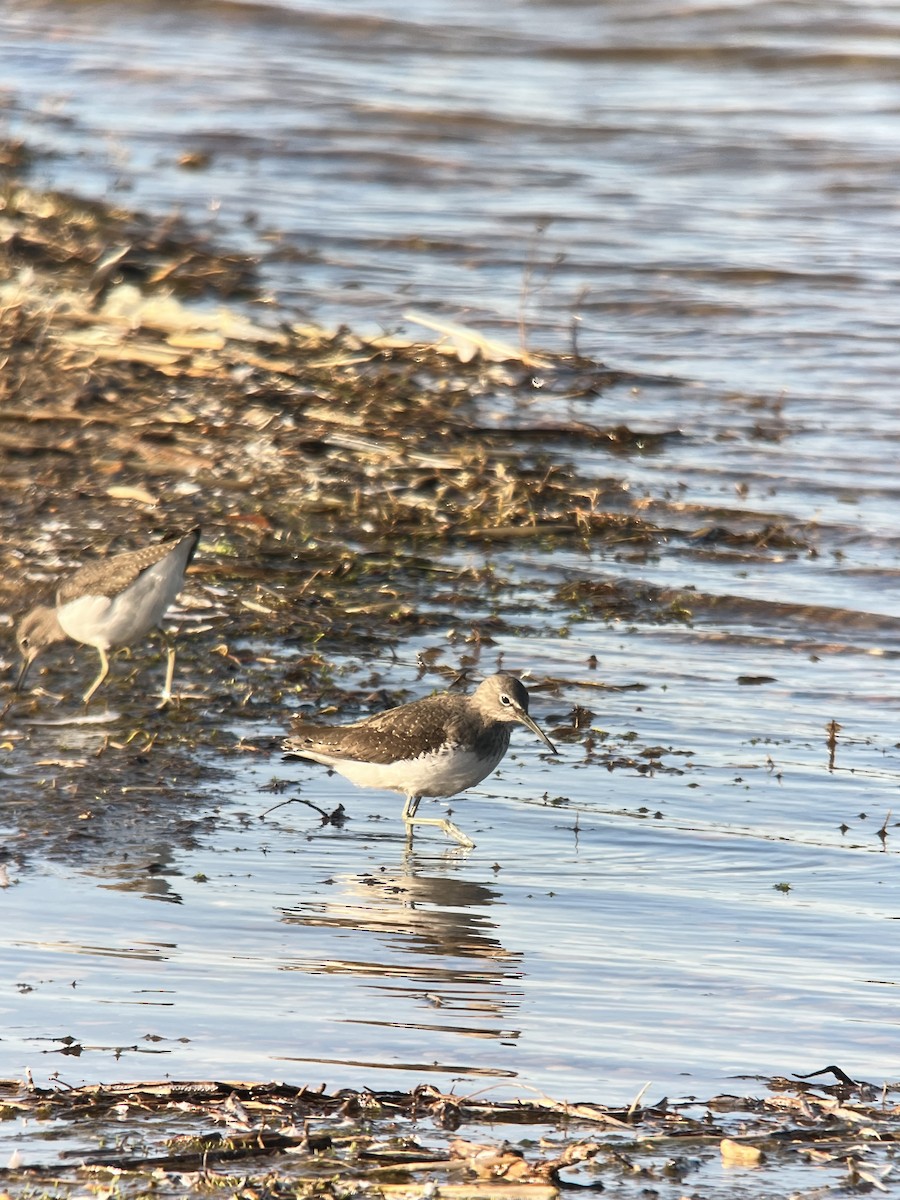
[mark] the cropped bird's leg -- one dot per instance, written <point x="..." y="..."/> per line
<point x="104" y="671"/>
<point x="410" y="819"/>
<point x="170" y="671"/>
<point x="409" y="808"/>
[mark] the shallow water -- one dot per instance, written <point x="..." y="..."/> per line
<point x="611" y="928"/>
<point x="721" y="183"/>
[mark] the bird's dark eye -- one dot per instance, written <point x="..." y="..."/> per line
<point x="504" y="699"/>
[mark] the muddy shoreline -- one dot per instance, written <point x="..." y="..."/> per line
<point x="344" y="490"/>
<point x="347" y="491"/>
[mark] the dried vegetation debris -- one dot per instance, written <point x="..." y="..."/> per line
<point x="128" y="377"/>
<point x="246" y="1139"/>
<point x="293" y="447"/>
<point x="333" y="477"/>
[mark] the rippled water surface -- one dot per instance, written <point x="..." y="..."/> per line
<point x="707" y="192"/>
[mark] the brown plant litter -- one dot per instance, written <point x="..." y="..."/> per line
<point x="256" y="1139"/>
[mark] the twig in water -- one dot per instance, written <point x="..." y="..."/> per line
<point x="337" y="817"/>
<point x="832" y="729"/>
<point x="576" y="320"/>
<point x="635" y="1104"/>
<point x="883" y="831"/>
<point x="840" y="1075"/>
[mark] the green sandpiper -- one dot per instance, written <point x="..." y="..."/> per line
<point x="436" y="746"/>
<point x="111" y="603"/>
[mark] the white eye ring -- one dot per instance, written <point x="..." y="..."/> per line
<point x="504" y="699"/>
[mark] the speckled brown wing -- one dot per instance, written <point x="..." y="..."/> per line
<point x="422" y="727"/>
<point x="112" y="575"/>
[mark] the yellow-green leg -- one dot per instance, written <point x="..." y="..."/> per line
<point x="451" y="830"/>
<point x="170" y="673"/>
<point x="104" y="671"/>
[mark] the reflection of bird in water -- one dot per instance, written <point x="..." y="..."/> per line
<point x="433" y="910"/>
<point x="111" y="603"/>
<point x="440" y="942"/>
<point x="436" y="746"/>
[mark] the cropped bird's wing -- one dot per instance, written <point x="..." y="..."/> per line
<point x="112" y="575"/>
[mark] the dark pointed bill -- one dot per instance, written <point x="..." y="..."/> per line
<point x="531" y="724"/>
<point x="23" y="671"/>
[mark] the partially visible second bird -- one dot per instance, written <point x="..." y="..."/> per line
<point x="436" y="746"/>
<point x="110" y="603"/>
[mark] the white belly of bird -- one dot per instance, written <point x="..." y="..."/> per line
<point x="104" y="622"/>
<point x="445" y="772"/>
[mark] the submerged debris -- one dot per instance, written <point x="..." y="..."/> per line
<point x="271" y="1139"/>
